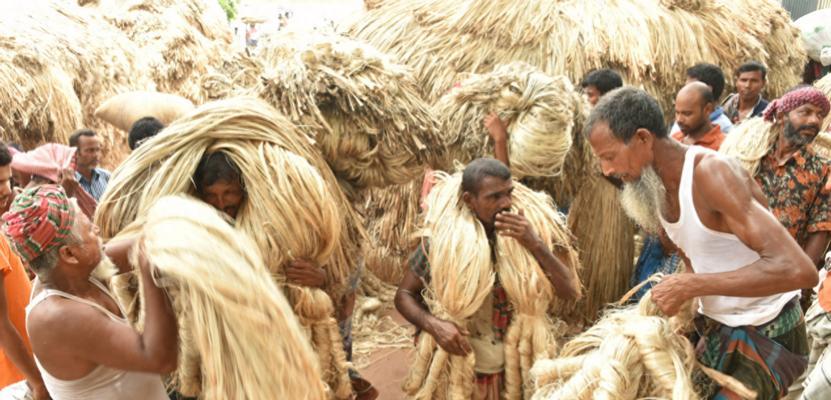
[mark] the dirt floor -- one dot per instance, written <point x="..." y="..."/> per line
<point x="388" y="366"/>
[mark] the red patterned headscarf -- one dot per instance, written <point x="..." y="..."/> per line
<point x="39" y="219"/>
<point x="795" y="99"/>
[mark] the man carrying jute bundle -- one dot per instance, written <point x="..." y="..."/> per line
<point x="746" y="269"/>
<point x="487" y="193"/>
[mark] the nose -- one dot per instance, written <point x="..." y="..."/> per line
<point x="96" y="229"/>
<point x="607" y="169"/>
<point x="815" y="119"/>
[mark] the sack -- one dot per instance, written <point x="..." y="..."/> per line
<point x="816" y="33"/>
<point x="125" y="109"/>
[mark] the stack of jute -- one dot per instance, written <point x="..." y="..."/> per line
<point x="631" y="353"/>
<point x="462" y="276"/>
<point x="293" y="209"/>
<point x="823" y="142"/>
<point x="233" y="320"/>
<point x="182" y="40"/>
<point x="364" y="111"/>
<point x="59" y="62"/>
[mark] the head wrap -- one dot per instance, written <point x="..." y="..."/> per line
<point x="39" y="219"/>
<point x="795" y="99"/>
<point x="47" y="160"/>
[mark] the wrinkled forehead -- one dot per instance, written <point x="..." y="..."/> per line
<point x="602" y="139"/>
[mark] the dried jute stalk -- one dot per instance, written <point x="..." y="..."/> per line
<point x="461" y="267"/>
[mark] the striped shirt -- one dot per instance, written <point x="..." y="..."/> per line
<point x="97" y="185"/>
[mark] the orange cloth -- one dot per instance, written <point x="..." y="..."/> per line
<point x="18" y="288"/>
<point x="711" y="140"/>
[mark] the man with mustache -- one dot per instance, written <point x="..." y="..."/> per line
<point x="746" y="269"/>
<point x="747" y="102"/>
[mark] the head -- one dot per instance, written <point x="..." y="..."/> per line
<point x="800" y="113"/>
<point x="599" y="82"/>
<point x="50" y="232"/>
<point x="693" y="106"/>
<point x="710" y="74"/>
<point x="143" y="129"/>
<point x="750" y="80"/>
<point x="89" y="148"/>
<point x="487" y="189"/>
<point x="218" y="182"/>
<point x="5" y="177"/>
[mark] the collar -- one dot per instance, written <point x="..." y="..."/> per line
<point x="799" y="156"/>
<point x="95" y="173"/>
<point x="718" y="112"/>
<point x="711" y="140"/>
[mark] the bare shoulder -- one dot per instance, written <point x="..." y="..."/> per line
<point x="62" y="320"/>
<point x="723" y="183"/>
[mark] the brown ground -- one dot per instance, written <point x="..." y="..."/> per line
<point x="388" y="367"/>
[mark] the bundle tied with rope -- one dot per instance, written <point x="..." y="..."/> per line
<point x="364" y="110"/>
<point x="463" y="275"/>
<point x="631" y="353"/>
<point x="229" y="309"/>
<point x="293" y="209"/>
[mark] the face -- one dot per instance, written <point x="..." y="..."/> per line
<point x="750" y="84"/>
<point x="592" y="94"/>
<point x="620" y="160"/>
<point x="89" y="151"/>
<point x="88" y="253"/>
<point x="224" y="196"/>
<point x="495" y="196"/>
<point x="691" y="112"/>
<point x="5" y="186"/>
<point x="803" y="124"/>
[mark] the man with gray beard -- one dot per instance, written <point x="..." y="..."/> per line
<point x="746" y="269"/>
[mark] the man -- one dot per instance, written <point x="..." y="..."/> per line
<point x="487" y="187"/>
<point x="218" y="182"/>
<point x="83" y="345"/>
<point x="599" y="82"/>
<point x="693" y="106"/>
<point x="16" y="362"/>
<point x="142" y="130"/>
<point x="713" y="77"/>
<point x="747" y="102"/>
<point x="93" y="179"/>
<point x="746" y="269"/>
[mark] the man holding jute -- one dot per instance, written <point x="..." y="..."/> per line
<point x="746" y="269"/>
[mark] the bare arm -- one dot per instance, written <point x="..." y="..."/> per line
<point x="13" y="345"/>
<point x="91" y="336"/>
<point x="117" y="251"/>
<point x="816" y="246"/>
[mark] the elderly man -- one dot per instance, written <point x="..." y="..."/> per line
<point x="83" y="346"/>
<point x="746" y="269"/>
<point x="93" y="180"/>
<point x="487" y="187"/>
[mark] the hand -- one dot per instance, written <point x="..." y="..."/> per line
<point x="38" y="391"/>
<point x="496" y="128"/>
<point x="68" y="181"/>
<point x="304" y="273"/>
<point x="451" y="337"/>
<point x="670" y="294"/>
<point x="517" y="227"/>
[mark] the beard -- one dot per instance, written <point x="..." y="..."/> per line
<point x="644" y="199"/>
<point x="793" y="136"/>
<point x="105" y="269"/>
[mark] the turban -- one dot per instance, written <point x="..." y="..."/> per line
<point x="795" y="99"/>
<point x="39" y="220"/>
<point x="47" y="160"/>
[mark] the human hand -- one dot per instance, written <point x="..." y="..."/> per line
<point x="671" y="293"/>
<point x="66" y="177"/>
<point x="304" y="273"/>
<point x="496" y="128"/>
<point x="515" y="225"/>
<point x="450" y="337"/>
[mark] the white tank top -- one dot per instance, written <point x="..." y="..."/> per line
<point x="102" y="382"/>
<point x="711" y="251"/>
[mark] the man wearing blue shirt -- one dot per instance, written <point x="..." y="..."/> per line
<point x="93" y="179"/>
<point x="713" y="76"/>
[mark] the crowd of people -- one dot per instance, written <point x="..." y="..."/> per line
<point x="746" y="244"/>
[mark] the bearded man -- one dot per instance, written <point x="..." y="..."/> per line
<point x="746" y="269"/>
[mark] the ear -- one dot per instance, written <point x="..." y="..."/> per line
<point x="643" y="137"/>
<point x="709" y="108"/>
<point x="467" y="198"/>
<point x="67" y="254"/>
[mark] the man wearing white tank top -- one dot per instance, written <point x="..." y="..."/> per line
<point x="746" y="269"/>
<point x="83" y="345"/>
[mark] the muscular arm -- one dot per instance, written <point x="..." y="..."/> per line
<point x="13" y="345"/>
<point x="816" y="246"/>
<point x="117" y="251"/>
<point x="565" y="282"/>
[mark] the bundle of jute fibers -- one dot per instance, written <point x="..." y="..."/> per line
<point x="364" y="111"/>
<point x="237" y="74"/>
<point x="182" y="40"/>
<point x="631" y="353"/>
<point x="462" y="275"/>
<point x="61" y="61"/>
<point x="823" y="141"/>
<point x="754" y="138"/>
<point x="293" y="209"/>
<point x="539" y="112"/>
<point x="650" y="42"/>
<point x="235" y="319"/>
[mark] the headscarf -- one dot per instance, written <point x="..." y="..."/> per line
<point x="47" y="160"/>
<point x="795" y="99"/>
<point x="39" y="220"/>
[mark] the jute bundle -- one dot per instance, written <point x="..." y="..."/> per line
<point x="294" y="208"/>
<point x="462" y="276"/>
<point x="539" y="111"/>
<point x="59" y="62"/>
<point x="823" y="141"/>
<point x="234" y="316"/>
<point x="238" y="73"/>
<point x="754" y="139"/>
<point x="364" y="111"/>
<point x="631" y="353"/>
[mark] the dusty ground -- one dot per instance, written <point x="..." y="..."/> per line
<point x="388" y="366"/>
